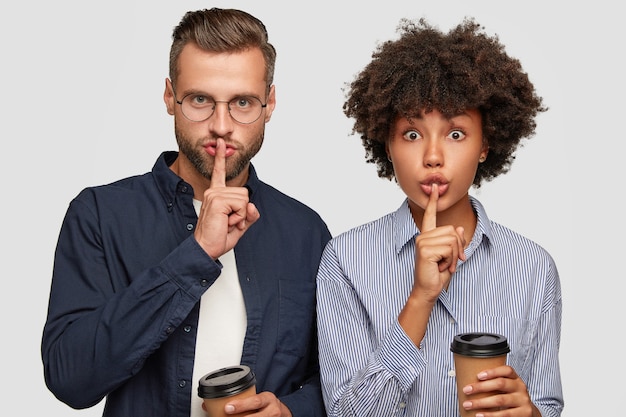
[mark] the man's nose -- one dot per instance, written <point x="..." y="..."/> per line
<point x="221" y="122"/>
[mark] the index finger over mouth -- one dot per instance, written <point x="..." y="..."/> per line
<point x="429" y="221"/>
<point x="218" y="176"/>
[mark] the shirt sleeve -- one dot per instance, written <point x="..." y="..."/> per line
<point x="544" y="381"/>
<point x="307" y="400"/>
<point x="361" y="375"/>
<point x="101" y="328"/>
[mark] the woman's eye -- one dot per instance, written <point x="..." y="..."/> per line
<point x="456" y="135"/>
<point x="411" y="135"/>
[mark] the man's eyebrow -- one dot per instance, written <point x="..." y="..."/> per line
<point x="209" y="95"/>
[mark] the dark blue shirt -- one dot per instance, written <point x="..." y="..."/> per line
<point x="124" y="301"/>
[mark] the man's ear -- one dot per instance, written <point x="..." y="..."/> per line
<point x="271" y="103"/>
<point x="168" y="97"/>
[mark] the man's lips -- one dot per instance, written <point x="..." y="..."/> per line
<point x="211" y="149"/>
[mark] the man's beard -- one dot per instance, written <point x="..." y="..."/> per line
<point x="203" y="162"/>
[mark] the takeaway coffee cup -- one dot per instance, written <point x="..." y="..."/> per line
<point x="473" y="353"/>
<point x="217" y="388"/>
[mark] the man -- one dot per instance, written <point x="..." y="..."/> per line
<point x="161" y="278"/>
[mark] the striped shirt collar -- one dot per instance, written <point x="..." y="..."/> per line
<point x="405" y="229"/>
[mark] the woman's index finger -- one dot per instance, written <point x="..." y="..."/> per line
<point x="429" y="221"/>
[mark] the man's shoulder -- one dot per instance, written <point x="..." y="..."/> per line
<point x="271" y="195"/>
<point x="137" y="183"/>
<point x="121" y="185"/>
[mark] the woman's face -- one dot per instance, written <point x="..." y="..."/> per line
<point x="431" y="148"/>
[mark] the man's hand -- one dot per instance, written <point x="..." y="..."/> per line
<point x="226" y="212"/>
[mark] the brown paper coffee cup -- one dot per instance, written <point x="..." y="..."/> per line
<point x="219" y="387"/>
<point x="473" y="353"/>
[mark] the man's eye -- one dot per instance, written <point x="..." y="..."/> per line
<point x="199" y="100"/>
<point x="241" y="102"/>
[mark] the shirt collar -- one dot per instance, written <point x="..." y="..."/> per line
<point x="253" y="182"/>
<point x="405" y="229"/>
<point x="404" y="226"/>
<point x="168" y="182"/>
<point x="483" y="227"/>
<point x="165" y="179"/>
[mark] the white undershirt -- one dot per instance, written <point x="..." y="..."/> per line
<point x="221" y="326"/>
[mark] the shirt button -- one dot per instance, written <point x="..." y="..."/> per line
<point x="182" y="383"/>
<point x="189" y="226"/>
<point x="204" y="282"/>
<point x="452" y="372"/>
<point x="187" y="329"/>
<point x="169" y="329"/>
<point x="402" y="405"/>
<point x="183" y="188"/>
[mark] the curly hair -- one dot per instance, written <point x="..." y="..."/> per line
<point x="426" y="69"/>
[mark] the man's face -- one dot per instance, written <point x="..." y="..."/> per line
<point x="219" y="77"/>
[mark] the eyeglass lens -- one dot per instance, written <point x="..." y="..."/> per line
<point x="243" y="109"/>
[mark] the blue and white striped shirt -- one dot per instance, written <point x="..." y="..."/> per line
<point x="370" y="367"/>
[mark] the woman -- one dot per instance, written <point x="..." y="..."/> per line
<point x="439" y="113"/>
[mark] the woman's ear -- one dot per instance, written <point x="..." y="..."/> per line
<point x="483" y="154"/>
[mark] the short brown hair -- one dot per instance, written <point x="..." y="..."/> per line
<point x="222" y="30"/>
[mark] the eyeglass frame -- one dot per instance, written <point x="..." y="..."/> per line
<point x="180" y="102"/>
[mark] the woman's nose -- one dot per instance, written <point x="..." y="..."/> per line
<point x="433" y="157"/>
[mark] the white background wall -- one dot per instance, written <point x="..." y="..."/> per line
<point x="81" y="105"/>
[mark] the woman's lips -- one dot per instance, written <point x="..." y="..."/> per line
<point x="427" y="187"/>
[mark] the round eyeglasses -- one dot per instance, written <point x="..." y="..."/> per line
<point x="243" y="109"/>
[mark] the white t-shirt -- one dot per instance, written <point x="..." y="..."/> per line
<point x="221" y="326"/>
